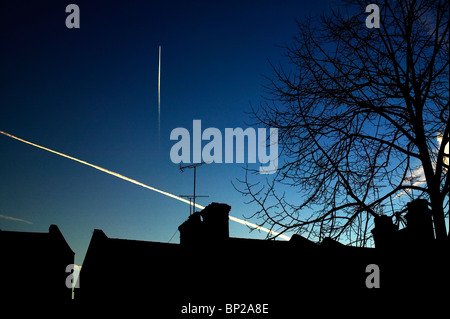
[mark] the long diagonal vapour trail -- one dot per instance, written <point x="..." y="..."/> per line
<point x="243" y="222"/>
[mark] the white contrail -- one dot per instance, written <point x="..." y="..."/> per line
<point x="100" y="169"/>
<point x="15" y="219"/>
<point x="159" y="93"/>
<point x="243" y="222"/>
<point x="246" y="223"/>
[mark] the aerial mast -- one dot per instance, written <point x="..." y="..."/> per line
<point x="192" y="197"/>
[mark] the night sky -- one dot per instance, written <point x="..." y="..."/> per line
<point x="91" y="93"/>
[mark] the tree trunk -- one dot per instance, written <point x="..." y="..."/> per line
<point x="437" y="212"/>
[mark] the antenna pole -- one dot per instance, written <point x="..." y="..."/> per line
<point x="190" y="201"/>
<point x="194" y="166"/>
<point x="195" y="174"/>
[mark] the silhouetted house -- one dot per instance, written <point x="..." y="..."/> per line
<point x="121" y="269"/>
<point x="411" y="257"/>
<point x="210" y="268"/>
<point x="33" y="266"/>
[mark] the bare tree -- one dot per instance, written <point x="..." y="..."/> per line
<point x="363" y="119"/>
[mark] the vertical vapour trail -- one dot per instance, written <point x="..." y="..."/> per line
<point x="243" y="222"/>
<point x="159" y="93"/>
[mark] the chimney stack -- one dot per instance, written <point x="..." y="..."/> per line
<point x="208" y="226"/>
<point x="419" y="222"/>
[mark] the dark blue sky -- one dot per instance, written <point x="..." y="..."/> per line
<point x="92" y="93"/>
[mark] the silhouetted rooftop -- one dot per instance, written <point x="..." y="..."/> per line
<point x="34" y="265"/>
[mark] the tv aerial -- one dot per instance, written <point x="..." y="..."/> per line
<point x="194" y="196"/>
